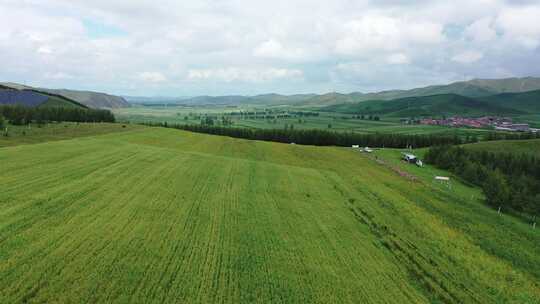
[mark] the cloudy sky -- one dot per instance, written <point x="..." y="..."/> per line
<point x="186" y="48"/>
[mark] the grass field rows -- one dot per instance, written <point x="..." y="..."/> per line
<point x="336" y="121"/>
<point x="166" y="216"/>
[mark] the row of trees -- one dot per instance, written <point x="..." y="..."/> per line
<point x="511" y="136"/>
<point x="368" y="117"/>
<point x="20" y="115"/>
<point x="319" y="137"/>
<point x="509" y="181"/>
<point x="272" y="112"/>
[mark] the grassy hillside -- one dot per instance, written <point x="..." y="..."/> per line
<point x="528" y="102"/>
<point x="33" y="133"/>
<point x="472" y="88"/>
<point x="160" y="215"/>
<point x="94" y="100"/>
<point x="507" y="85"/>
<point x="56" y="101"/>
<point x="35" y="98"/>
<point x="84" y="98"/>
<point x="434" y="105"/>
<point x="508" y="146"/>
<point x="277" y="99"/>
<point x="337" y="122"/>
<point x="332" y="99"/>
<point x="264" y="99"/>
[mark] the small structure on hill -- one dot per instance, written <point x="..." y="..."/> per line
<point x="410" y="158"/>
<point x="443" y="180"/>
<point x="367" y="150"/>
<point x="355" y="146"/>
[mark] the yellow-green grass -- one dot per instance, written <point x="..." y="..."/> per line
<point x="531" y="147"/>
<point x="159" y="215"/>
<point x="34" y="133"/>
<point x="55" y="101"/>
<point x="336" y="121"/>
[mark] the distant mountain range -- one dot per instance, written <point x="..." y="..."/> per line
<point x="476" y="88"/>
<point x="154" y="99"/>
<point x="445" y="104"/>
<point x="86" y="98"/>
<point x="258" y="100"/>
<point x="471" y="88"/>
<point x="33" y="98"/>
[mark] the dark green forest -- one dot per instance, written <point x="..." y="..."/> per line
<point x="510" y="181"/>
<point x="20" y="115"/>
<point x="317" y="137"/>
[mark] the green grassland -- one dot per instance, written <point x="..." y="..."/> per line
<point x="155" y="215"/>
<point x="522" y="107"/>
<point x="34" y="133"/>
<point x="531" y="147"/>
<point x="434" y="105"/>
<point x="55" y="101"/>
<point x="336" y="121"/>
<point x="527" y="102"/>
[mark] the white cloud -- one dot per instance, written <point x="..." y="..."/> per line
<point x="266" y="43"/>
<point x="58" y="76"/>
<point x="44" y="50"/>
<point x="232" y="74"/>
<point x="522" y="25"/>
<point x="274" y="49"/>
<point x="154" y="77"/>
<point x="398" y="58"/>
<point x="481" y="30"/>
<point x="374" y="33"/>
<point x="468" y="57"/>
<point x="375" y="76"/>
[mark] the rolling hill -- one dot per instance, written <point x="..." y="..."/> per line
<point x="216" y="100"/>
<point x="278" y="99"/>
<point x="94" y="100"/>
<point x="34" y="98"/>
<point x="471" y="88"/>
<point x="433" y="105"/>
<point x="508" y="85"/>
<point x="159" y="215"/>
<point x="89" y="99"/>
<point x="265" y="99"/>
<point x="474" y="88"/>
<point x="528" y="102"/>
<point x="531" y="147"/>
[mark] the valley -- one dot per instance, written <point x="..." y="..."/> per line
<point x="161" y="215"/>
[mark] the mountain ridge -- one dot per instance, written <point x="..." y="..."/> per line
<point x="445" y="104"/>
<point x="475" y="88"/>
<point x="89" y="99"/>
<point x="472" y="88"/>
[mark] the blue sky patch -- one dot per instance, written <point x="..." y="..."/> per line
<point x="96" y="29"/>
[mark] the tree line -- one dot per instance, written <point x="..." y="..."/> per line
<point x="20" y="115"/>
<point x="318" y="137"/>
<point x="509" y="181"/>
<point x="511" y="136"/>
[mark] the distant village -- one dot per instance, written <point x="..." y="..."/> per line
<point x="498" y="123"/>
